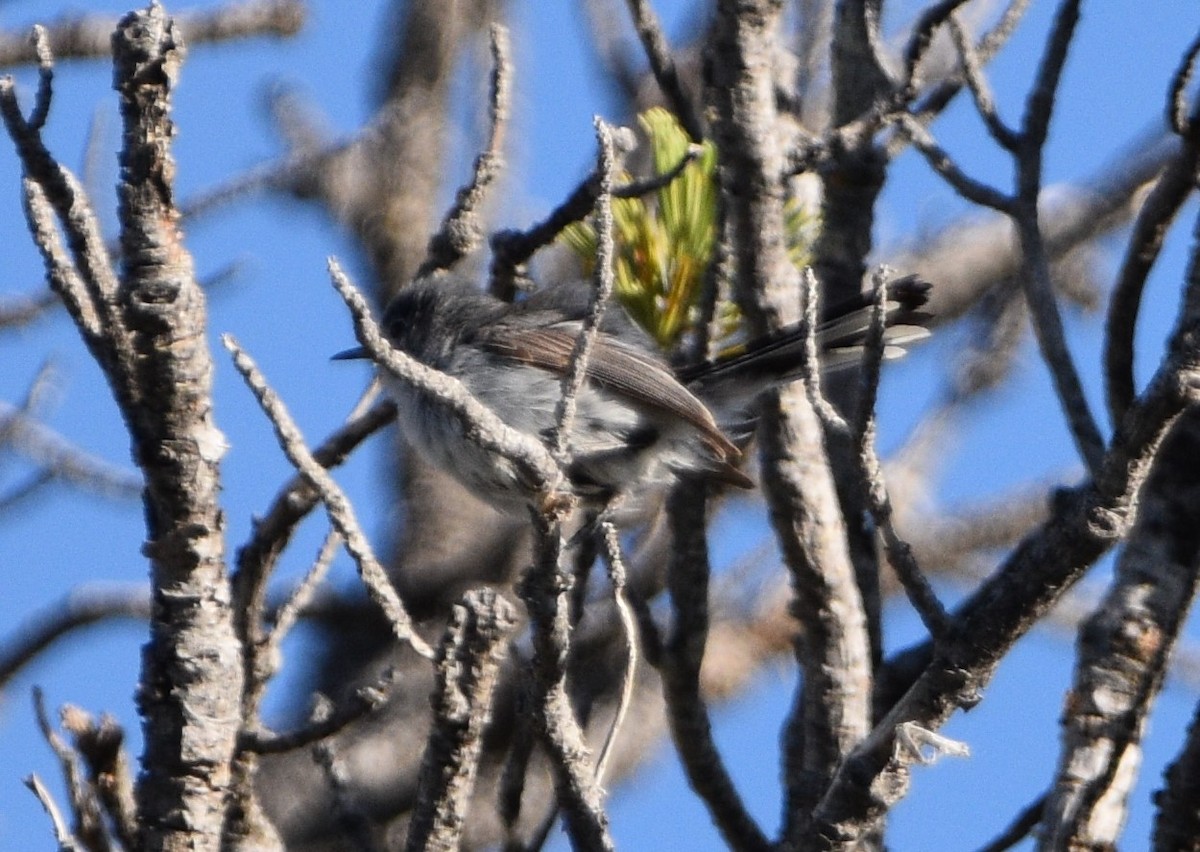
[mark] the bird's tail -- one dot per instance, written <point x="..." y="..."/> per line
<point x="730" y="383"/>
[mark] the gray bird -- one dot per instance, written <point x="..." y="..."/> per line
<point x="639" y="423"/>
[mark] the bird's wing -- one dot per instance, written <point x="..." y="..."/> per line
<point x="616" y="366"/>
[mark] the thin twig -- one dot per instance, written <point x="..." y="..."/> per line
<point x="1025" y="822"/>
<point x="101" y="747"/>
<point x="365" y="700"/>
<point x="662" y="66"/>
<point x="19" y="311"/>
<point x="981" y="93"/>
<point x="286" y="615"/>
<point x="942" y="163"/>
<point x="617" y="575"/>
<point x="45" y="87"/>
<point x="85" y="805"/>
<point x="81" y="608"/>
<point x="1177" y="111"/>
<point x="1038" y="287"/>
<point x="511" y="249"/>
<point x="545" y="590"/>
<point x="546" y="587"/>
<point x="67" y="842"/>
<point x="61" y="459"/>
<point x="940" y="96"/>
<point x="899" y="552"/>
<point x="461" y="231"/>
<point x="273" y="528"/>
<point x="1162" y="205"/>
<point x="922" y="37"/>
<point x="810" y="365"/>
<point x="27" y="490"/>
<point x="337" y="506"/>
<point x="576" y="372"/>
<point x="1036" y="281"/>
<point x="1085" y="523"/>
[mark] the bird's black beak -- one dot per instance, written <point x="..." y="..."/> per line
<point x="356" y="354"/>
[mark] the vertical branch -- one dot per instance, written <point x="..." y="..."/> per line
<point x="832" y="710"/>
<point x="546" y="588"/>
<point x="683" y="653"/>
<point x="546" y="591"/>
<point x="1039" y="289"/>
<point x="467" y="670"/>
<point x="851" y="186"/>
<point x="576" y="372"/>
<point x="461" y="230"/>
<point x="146" y="329"/>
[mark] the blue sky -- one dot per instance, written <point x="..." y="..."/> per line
<point x="282" y="309"/>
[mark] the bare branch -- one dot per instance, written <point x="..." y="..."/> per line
<point x="461" y="231"/>
<point x="942" y="163"/>
<point x="301" y="595"/>
<point x="511" y="249"/>
<point x="90" y="36"/>
<point x="1047" y="322"/>
<point x="1084" y="524"/>
<point x="18" y="311"/>
<point x="1125" y="645"/>
<point x="832" y="708"/>
<point x="84" y="277"/>
<point x="688" y="583"/>
<point x="67" y="842"/>
<point x="1162" y="204"/>
<point x="931" y="18"/>
<point x="1177" y="111"/>
<point x="1048" y="328"/>
<point x="83" y="607"/>
<point x="85" y="804"/>
<point x="831" y="418"/>
<point x="60" y="459"/>
<point x="101" y="747"/>
<point x="617" y="576"/>
<point x="981" y="93"/>
<point x="337" y="506"/>
<point x="576" y="372"/>
<point x="467" y="672"/>
<point x="1178" y="822"/>
<point x="1160" y="208"/>
<point x="24" y="491"/>
<point x="327" y="722"/>
<point x="1039" y="105"/>
<point x="662" y="65"/>
<point x="1123" y="649"/>
<point x="1026" y="821"/>
<point x="45" y="89"/>
<point x="546" y="592"/>
<point x="900" y="554"/>
<point x="274" y="528"/>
